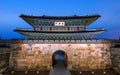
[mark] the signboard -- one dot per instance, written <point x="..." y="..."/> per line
<point x="59" y="23"/>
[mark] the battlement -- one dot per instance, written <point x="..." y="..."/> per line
<point x="53" y="41"/>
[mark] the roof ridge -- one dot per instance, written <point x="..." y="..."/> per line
<point x="23" y="15"/>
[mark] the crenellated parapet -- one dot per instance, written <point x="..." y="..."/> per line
<point x="53" y="41"/>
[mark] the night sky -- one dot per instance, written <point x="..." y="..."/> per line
<point x="11" y="9"/>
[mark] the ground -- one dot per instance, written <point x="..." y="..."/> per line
<point x="92" y="72"/>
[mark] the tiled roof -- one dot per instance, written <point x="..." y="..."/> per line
<point x="59" y="17"/>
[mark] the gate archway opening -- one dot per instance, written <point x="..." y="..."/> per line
<point x="59" y="56"/>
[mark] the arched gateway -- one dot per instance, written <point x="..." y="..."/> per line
<point x="59" y="56"/>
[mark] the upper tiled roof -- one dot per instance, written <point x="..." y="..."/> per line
<point x="60" y="17"/>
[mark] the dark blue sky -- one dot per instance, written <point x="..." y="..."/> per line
<point x="108" y="9"/>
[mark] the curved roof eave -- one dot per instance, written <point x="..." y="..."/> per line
<point x="60" y="17"/>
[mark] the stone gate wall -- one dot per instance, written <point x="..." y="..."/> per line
<point x="37" y="54"/>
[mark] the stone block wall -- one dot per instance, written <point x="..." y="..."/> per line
<point x="82" y="54"/>
<point x="115" y="55"/>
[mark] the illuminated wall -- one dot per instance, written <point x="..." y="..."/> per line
<point x="80" y="56"/>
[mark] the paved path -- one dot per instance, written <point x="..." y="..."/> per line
<point x="59" y="69"/>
